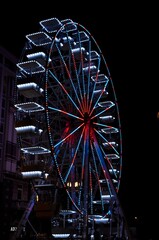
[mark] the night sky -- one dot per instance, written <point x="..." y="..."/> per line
<point x="127" y="37"/>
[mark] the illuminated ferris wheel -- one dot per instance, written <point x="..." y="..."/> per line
<point x="68" y="125"/>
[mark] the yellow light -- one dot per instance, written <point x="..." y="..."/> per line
<point x="76" y="184"/>
<point x="37" y="198"/>
<point x="70" y="184"/>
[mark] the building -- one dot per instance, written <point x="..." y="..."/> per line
<point x="13" y="195"/>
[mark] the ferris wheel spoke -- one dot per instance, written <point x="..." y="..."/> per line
<point x="74" y="156"/>
<point x="97" y="176"/>
<point x="66" y="67"/>
<point x="87" y="86"/>
<point x="64" y="139"/>
<point x="65" y="113"/>
<point x="94" y="95"/>
<point x="111" y="145"/>
<point x="56" y="97"/>
<point x="64" y="89"/>
<point x="78" y="67"/>
<point x="112" y="167"/>
<point x="91" y="92"/>
<point x="110" y="105"/>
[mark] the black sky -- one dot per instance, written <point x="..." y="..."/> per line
<point x="127" y="38"/>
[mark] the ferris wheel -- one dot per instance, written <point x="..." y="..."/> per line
<point x="68" y="124"/>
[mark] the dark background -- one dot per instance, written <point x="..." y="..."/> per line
<point x="127" y="36"/>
